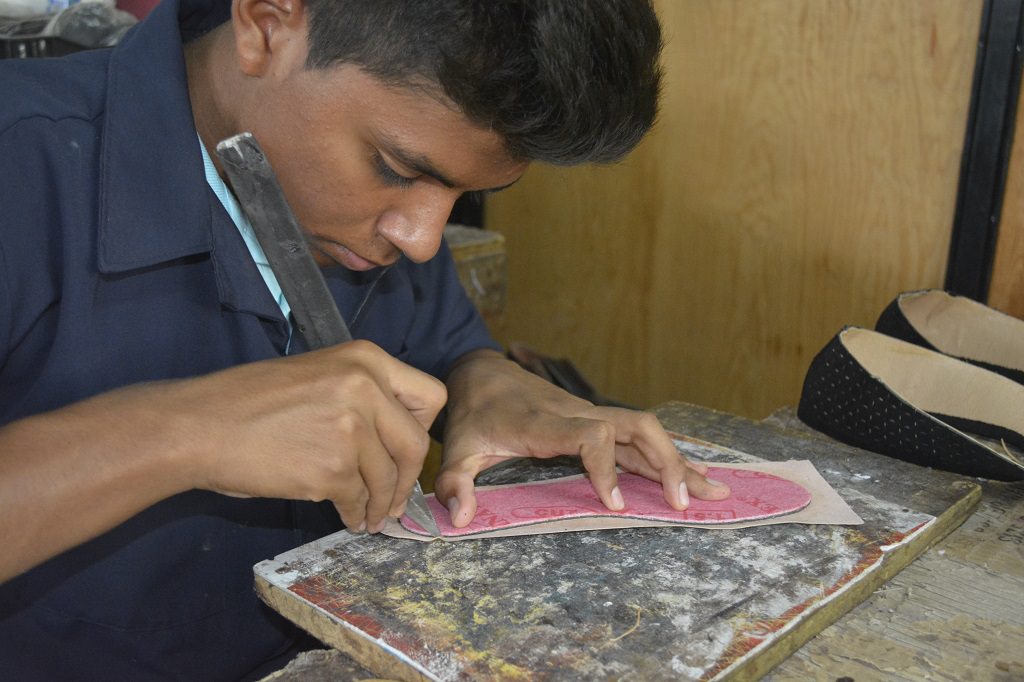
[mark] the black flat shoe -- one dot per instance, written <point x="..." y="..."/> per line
<point x="959" y="327"/>
<point x="898" y="399"/>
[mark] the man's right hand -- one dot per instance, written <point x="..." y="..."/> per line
<point x="347" y="424"/>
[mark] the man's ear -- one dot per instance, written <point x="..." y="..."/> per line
<point x="263" y="29"/>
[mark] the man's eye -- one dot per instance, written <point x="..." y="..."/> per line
<point x="389" y="175"/>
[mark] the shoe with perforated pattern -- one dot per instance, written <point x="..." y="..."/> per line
<point x="899" y="399"/>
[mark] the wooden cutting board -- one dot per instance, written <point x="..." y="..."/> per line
<point x="640" y="604"/>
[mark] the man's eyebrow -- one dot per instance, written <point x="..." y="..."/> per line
<point x="424" y="166"/>
<point x="419" y="163"/>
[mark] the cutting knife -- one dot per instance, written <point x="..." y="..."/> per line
<point x="317" y="316"/>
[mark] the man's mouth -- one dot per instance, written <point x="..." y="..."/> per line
<point x="346" y="257"/>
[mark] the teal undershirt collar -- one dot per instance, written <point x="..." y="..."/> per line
<point x="245" y="228"/>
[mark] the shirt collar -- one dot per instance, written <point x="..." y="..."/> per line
<point x="151" y="169"/>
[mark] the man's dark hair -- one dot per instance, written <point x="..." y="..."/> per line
<point x="563" y="81"/>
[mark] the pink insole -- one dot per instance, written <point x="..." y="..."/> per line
<point x="755" y="495"/>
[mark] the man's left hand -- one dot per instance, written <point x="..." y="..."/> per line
<point x="498" y="411"/>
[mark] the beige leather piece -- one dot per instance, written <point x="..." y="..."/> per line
<point x="965" y="328"/>
<point x="933" y="382"/>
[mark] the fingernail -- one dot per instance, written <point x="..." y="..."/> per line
<point x="714" y="482"/>
<point x="377" y="528"/>
<point x="617" y="501"/>
<point x="684" y="495"/>
<point x="453" y="508"/>
<point x="361" y="527"/>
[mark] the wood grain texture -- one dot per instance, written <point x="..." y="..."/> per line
<point x="1006" y="289"/>
<point x="803" y="172"/>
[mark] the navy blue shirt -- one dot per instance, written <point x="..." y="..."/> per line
<point x="118" y="265"/>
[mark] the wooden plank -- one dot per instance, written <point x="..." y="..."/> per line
<point x="956" y="613"/>
<point x="480" y="261"/>
<point x="643" y="604"/>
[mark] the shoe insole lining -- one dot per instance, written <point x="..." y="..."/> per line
<point x="935" y="383"/>
<point x="966" y="329"/>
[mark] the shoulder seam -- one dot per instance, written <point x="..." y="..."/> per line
<point x="51" y="119"/>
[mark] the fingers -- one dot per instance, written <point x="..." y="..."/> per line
<point x="380" y="475"/>
<point x="455" y="490"/>
<point x="390" y="459"/>
<point x="597" y="452"/>
<point x="352" y="496"/>
<point x="705" y="488"/>
<point x="414" y="399"/>
<point x="659" y="460"/>
<point x="398" y="404"/>
<point x="406" y="443"/>
<point x="362" y="486"/>
<point x="420" y="394"/>
<point x="346" y="423"/>
<point x="593" y="440"/>
<point x="646" y="449"/>
<point x="498" y="412"/>
<point x="700" y="467"/>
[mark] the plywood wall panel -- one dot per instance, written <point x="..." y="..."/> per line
<point x="803" y="172"/>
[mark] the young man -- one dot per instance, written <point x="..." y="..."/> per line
<point x="162" y="429"/>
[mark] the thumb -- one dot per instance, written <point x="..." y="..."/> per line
<point x="454" y="490"/>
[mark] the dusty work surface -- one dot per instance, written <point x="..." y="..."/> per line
<point x="643" y="604"/>
<point x="957" y="613"/>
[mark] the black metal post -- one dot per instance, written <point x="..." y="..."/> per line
<point x="987" y="146"/>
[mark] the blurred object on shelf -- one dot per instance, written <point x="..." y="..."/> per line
<point x="91" y="24"/>
<point x="78" y="26"/>
<point x="137" y="8"/>
<point x="26" y="37"/>
<point x="23" y="8"/>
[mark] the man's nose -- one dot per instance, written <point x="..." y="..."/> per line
<point x="416" y="226"/>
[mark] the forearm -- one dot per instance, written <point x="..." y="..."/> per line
<point x="69" y="475"/>
<point x="347" y="424"/>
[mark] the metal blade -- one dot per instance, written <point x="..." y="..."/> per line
<point x="284" y="243"/>
<point x="419" y="512"/>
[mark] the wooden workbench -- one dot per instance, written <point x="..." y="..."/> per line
<point x="954" y="615"/>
